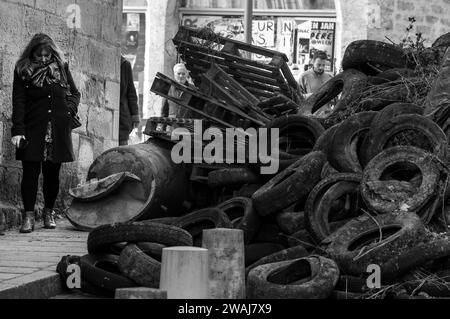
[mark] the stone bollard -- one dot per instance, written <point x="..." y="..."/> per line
<point x="226" y="262"/>
<point x="140" y="293"/>
<point x="184" y="273"/>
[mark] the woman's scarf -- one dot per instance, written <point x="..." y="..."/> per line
<point x="48" y="72"/>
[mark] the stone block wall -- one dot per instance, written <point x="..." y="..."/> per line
<point x="390" y="18"/>
<point x="378" y="19"/>
<point x="93" y="52"/>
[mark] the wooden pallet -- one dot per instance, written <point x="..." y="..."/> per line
<point x="199" y="49"/>
<point x="219" y="84"/>
<point x="202" y="104"/>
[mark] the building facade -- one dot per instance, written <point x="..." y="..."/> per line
<point x="295" y="27"/>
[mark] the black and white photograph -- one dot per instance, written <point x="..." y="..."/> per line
<point x="229" y="155"/>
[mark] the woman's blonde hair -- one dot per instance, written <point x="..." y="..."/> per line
<point x="40" y="40"/>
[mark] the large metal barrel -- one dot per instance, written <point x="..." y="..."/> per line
<point x="161" y="191"/>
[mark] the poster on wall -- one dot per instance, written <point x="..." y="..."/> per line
<point x="303" y="45"/>
<point x="322" y="39"/>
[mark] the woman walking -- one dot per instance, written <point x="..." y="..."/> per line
<point x="44" y="100"/>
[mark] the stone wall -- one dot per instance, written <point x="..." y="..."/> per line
<point x="378" y="19"/>
<point x="390" y="18"/>
<point x="93" y="52"/>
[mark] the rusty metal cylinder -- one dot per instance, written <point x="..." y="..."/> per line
<point x="162" y="189"/>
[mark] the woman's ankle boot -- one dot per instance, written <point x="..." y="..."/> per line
<point x="28" y="223"/>
<point x="49" y="218"/>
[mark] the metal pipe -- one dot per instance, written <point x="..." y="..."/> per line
<point x="248" y="15"/>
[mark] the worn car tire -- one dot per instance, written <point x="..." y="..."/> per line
<point x="206" y="218"/>
<point x="396" y="109"/>
<point x="297" y="136"/>
<point x="355" y="246"/>
<point x="283" y="255"/>
<point x="349" y="84"/>
<point x="387" y="113"/>
<point x="442" y="41"/>
<point x="277" y="280"/>
<point x="110" y="279"/>
<point x="383" y="56"/>
<point x="315" y="223"/>
<point x="344" y="151"/>
<point x="242" y="207"/>
<point x="409" y="129"/>
<point x="291" y="185"/>
<point x="385" y="196"/>
<point x="324" y="142"/>
<point x="139" y="267"/>
<point x="102" y="237"/>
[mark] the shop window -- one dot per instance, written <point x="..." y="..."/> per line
<point x="299" y="38"/>
<point x="261" y="4"/>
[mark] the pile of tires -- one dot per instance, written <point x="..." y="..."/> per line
<point x="364" y="189"/>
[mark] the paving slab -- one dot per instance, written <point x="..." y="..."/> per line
<point x="28" y="261"/>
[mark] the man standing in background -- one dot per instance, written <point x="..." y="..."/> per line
<point x="129" y="110"/>
<point x="311" y="80"/>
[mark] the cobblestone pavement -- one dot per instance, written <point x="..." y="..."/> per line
<point x="28" y="261"/>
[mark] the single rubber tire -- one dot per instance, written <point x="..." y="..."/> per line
<point x="102" y="237"/>
<point x="283" y="255"/>
<point x="92" y="272"/>
<point x="206" y="218"/>
<point x="139" y="267"/>
<point x="383" y="196"/>
<point x="381" y="136"/>
<point x="274" y="281"/>
<point x="350" y="84"/>
<point x="354" y="246"/>
<point x="317" y="227"/>
<point x="242" y="207"/>
<point x="345" y="148"/>
<point x="383" y="56"/>
<point x="290" y="186"/>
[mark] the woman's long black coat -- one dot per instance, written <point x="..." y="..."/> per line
<point x="33" y="107"/>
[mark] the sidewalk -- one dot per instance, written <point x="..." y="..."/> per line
<point x="28" y="261"/>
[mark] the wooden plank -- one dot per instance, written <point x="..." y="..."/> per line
<point x="244" y="79"/>
<point x="232" y="70"/>
<point x="261" y="94"/>
<point x="221" y="77"/>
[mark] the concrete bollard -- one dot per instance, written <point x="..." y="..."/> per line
<point x="226" y="262"/>
<point x="184" y="273"/>
<point x="140" y="293"/>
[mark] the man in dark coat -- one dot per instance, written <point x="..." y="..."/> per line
<point x="129" y="111"/>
